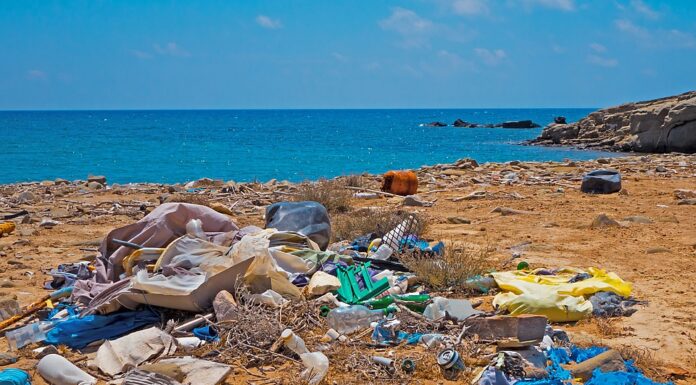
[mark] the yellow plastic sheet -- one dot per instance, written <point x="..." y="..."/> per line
<point x="552" y="295"/>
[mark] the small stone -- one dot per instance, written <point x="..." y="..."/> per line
<point x="657" y="250"/>
<point x="660" y="169"/>
<point x="684" y="194"/>
<point x="458" y="220"/>
<point x="101" y="179"/>
<point x="638" y="219"/>
<point x="60" y="181"/>
<point x="95" y="185"/>
<point x="415" y="200"/>
<point x="603" y="220"/>
<point x="6" y="283"/>
<point x="7" y="359"/>
<point x="225" y="306"/>
<point x="46" y="350"/>
<point x="59" y="212"/>
<point x="27" y="232"/>
<point x="9" y="307"/>
<point x="603" y="161"/>
<point x="48" y="223"/>
<point x="476" y="195"/>
<point x="26" y="197"/>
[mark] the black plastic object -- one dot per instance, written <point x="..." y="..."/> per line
<point x="601" y="182"/>
<point x="307" y="218"/>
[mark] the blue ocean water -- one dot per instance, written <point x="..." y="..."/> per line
<point x="246" y="145"/>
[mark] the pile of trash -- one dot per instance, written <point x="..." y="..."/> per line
<point x="184" y="295"/>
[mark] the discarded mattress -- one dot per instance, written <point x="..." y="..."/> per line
<point x="553" y="295"/>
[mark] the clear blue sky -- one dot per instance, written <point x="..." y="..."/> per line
<point x="343" y="54"/>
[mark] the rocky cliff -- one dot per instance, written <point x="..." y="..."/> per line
<point x="660" y="125"/>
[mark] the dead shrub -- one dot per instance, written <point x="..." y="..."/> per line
<point x="195" y="199"/>
<point x="354" y="181"/>
<point x="645" y="360"/>
<point x="364" y="221"/>
<point x="459" y="262"/>
<point x="332" y="194"/>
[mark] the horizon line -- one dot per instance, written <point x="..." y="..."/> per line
<point x="290" y="109"/>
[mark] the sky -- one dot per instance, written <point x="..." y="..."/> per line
<point x="172" y="54"/>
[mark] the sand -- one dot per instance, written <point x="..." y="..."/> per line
<point x="657" y="257"/>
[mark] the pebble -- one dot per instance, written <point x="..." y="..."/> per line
<point x="603" y="220"/>
<point x="458" y="220"/>
<point x="26" y="197"/>
<point x="7" y="359"/>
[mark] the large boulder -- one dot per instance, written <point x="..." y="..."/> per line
<point x="660" y="125"/>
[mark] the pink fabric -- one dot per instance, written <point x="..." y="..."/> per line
<point x="163" y="225"/>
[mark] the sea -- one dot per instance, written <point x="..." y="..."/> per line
<point x="171" y="146"/>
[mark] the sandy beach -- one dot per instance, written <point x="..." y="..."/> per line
<point x="549" y="226"/>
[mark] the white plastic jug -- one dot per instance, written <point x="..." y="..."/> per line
<point x="56" y="370"/>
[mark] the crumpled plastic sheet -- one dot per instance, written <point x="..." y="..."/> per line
<point x="608" y="304"/>
<point x="553" y="295"/>
<point x="560" y="376"/>
<point x="78" y="332"/>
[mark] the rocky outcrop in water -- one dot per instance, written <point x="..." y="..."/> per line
<point x="660" y="125"/>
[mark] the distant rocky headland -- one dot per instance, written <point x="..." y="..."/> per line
<point x="464" y="124"/>
<point x="656" y="126"/>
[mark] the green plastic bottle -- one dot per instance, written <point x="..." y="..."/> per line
<point x="414" y="302"/>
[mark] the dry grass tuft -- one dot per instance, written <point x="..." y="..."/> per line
<point x="645" y="360"/>
<point x="378" y="221"/>
<point x="354" y="181"/>
<point x="195" y="199"/>
<point x="330" y="193"/>
<point x="459" y="262"/>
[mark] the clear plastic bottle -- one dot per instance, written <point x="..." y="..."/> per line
<point x="34" y="332"/>
<point x="347" y="320"/>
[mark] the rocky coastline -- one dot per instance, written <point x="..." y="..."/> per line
<point x="655" y="126"/>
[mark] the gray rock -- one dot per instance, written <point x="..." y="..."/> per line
<point x="26" y="197"/>
<point x="48" y="223"/>
<point x="603" y="220"/>
<point x="7" y="359"/>
<point x="60" y="181"/>
<point x="458" y="220"/>
<point x="638" y="219"/>
<point x="415" y="200"/>
<point x="95" y="185"/>
<point x="225" y="306"/>
<point x="660" y="125"/>
<point x="101" y="179"/>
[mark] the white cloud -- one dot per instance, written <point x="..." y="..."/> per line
<point x="490" y="57"/>
<point x="339" y="57"/>
<point x="598" y="47"/>
<point x="35" y="74"/>
<point x="267" y="22"/>
<point x="644" y="9"/>
<point x="408" y="24"/>
<point x="660" y="38"/>
<point x="563" y="5"/>
<point x="602" y="61"/>
<point x="170" y="49"/>
<point x="470" y="7"/>
<point x="141" y="54"/>
<point x="557" y="48"/>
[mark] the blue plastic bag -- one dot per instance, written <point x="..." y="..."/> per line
<point x="76" y="332"/>
<point x="14" y="377"/>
